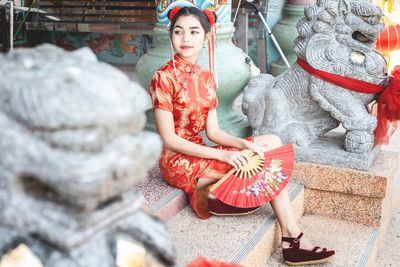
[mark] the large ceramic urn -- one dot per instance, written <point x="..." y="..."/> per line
<point x="285" y="32"/>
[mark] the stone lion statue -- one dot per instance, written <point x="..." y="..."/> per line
<point x="337" y="37"/>
<point x="72" y="147"/>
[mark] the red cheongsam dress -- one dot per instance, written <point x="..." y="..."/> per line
<point x="189" y="92"/>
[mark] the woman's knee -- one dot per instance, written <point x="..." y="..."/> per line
<point x="270" y="140"/>
<point x="204" y="182"/>
<point x="275" y="141"/>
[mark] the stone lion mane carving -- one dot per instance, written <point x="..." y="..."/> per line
<point x="336" y="37"/>
<point x="72" y="148"/>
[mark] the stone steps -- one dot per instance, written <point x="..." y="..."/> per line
<point x="348" y="194"/>
<point x="355" y="244"/>
<point x="248" y="240"/>
<point x="388" y="254"/>
<point x="347" y="210"/>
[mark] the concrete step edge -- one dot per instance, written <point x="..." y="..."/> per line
<point x="378" y="238"/>
<point x="263" y="229"/>
<point x="169" y="205"/>
<point x="369" y="253"/>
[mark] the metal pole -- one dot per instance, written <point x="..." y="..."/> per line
<point x="248" y="4"/>
<point x="11" y="25"/>
<point x="274" y="40"/>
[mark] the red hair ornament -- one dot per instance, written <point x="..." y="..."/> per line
<point x="212" y="19"/>
<point x="172" y="13"/>
<point x="210" y="16"/>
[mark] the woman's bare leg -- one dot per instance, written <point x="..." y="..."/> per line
<point x="281" y="204"/>
<point x="270" y="141"/>
<point x="285" y="215"/>
<point x="203" y="182"/>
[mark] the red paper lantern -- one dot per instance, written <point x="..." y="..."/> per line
<point x="389" y="39"/>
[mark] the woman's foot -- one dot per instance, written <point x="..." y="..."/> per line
<point x="307" y="254"/>
<point x="305" y="242"/>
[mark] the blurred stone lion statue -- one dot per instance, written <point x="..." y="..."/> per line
<point x="72" y="147"/>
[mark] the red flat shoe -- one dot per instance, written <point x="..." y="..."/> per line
<point x="219" y="208"/>
<point x="294" y="255"/>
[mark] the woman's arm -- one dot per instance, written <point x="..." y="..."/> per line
<point x="166" y="129"/>
<point x="220" y="137"/>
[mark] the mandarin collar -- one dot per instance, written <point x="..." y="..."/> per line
<point x="184" y="65"/>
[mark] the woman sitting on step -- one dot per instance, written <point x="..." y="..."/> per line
<point x="184" y="102"/>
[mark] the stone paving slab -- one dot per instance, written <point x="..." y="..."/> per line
<point x="389" y="254"/>
<point x="348" y="239"/>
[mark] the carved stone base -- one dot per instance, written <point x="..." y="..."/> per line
<point x="329" y="150"/>
<point x="359" y="196"/>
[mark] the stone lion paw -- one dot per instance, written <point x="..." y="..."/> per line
<point x="358" y="141"/>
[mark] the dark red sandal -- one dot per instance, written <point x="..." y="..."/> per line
<point x="294" y="255"/>
<point x="217" y="207"/>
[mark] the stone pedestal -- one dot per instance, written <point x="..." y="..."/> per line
<point x="329" y="150"/>
<point x="347" y="194"/>
<point x="232" y="71"/>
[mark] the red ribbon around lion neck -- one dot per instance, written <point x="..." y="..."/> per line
<point x="387" y="109"/>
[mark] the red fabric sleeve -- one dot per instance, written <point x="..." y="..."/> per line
<point x="161" y="91"/>
<point x="214" y="99"/>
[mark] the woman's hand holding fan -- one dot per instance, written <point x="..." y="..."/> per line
<point x="257" y="182"/>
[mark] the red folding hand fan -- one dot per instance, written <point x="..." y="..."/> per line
<point x="257" y="182"/>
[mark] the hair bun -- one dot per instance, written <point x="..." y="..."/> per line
<point x="172" y="12"/>
<point x="211" y="16"/>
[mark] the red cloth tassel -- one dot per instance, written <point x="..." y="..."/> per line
<point x="201" y="262"/>
<point x="211" y="52"/>
<point x="388" y="109"/>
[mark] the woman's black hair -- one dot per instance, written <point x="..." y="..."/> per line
<point x="186" y="11"/>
